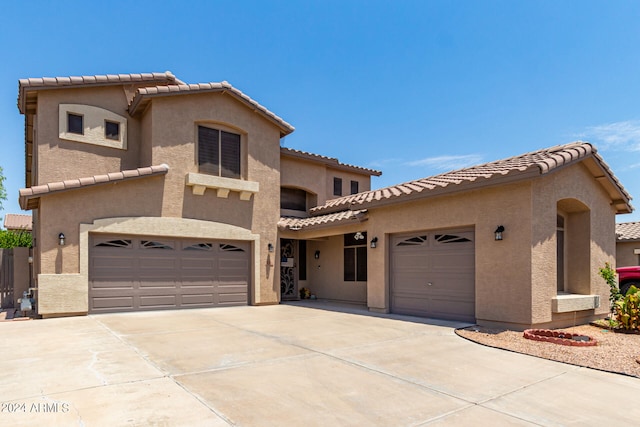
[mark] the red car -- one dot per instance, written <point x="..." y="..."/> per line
<point x="628" y="276"/>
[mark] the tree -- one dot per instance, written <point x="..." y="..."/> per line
<point x="3" y="192"/>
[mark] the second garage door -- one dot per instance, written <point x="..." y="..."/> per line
<point x="433" y="274"/>
<point x="130" y="273"/>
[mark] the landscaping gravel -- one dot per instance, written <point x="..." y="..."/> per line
<point x="615" y="352"/>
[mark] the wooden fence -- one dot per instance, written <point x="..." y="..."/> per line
<point x="6" y="279"/>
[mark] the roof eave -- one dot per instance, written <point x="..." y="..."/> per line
<point x="140" y="101"/>
<point x="30" y="200"/>
<point x="328" y="161"/>
<point x="512" y="177"/>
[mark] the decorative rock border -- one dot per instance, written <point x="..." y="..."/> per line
<point x="560" y="337"/>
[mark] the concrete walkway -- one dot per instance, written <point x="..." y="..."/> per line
<point x="287" y="365"/>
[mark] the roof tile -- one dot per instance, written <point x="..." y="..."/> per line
<point x="628" y="231"/>
<point x="183" y="88"/>
<point x="302" y="223"/>
<point x="17" y="222"/>
<point x="537" y="162"/>
<point x="27" y="194"/>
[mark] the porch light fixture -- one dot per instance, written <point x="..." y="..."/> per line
<point x="316" y="255"/>
<point x="270" y="247"/>
<point x="374" y="243"/>
<point x="61" y="239"/>
<point x="499" y="232"/>
<point x="358" y="236"/>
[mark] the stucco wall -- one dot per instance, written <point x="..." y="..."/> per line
<point x="60" y="159"/>
<point x="325" y="276"/>
<point x="571" y="190"/>
<point x="317" y="178"/>
<point x="174" y="138"/>
<point x="625" y="255"/>
<point x="169" y="137"/>
<point x="503" y="268"/>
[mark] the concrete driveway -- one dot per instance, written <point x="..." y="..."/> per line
<point x="287" y="365"/>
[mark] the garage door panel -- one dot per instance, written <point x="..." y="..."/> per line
<point x="110" y="303"/>
<point x="198" y="300"/>
<point x="232" y="299"/>
<point x="144" y="273"/>
<point x="148" y="301"/>
<point x="117" y="283"/>
<point x="156" y="283"/>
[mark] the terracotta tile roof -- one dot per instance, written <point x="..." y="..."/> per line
<point x="41" y="83"/>
<point x="316" y="221"/>
<point x="17" y="222"/>
<point x="628" y="231"/>
<point x="329" y="161"/>
<point x="527" y="165"/>
<point x="143" y="94"/>
<point x="29" y="197"/>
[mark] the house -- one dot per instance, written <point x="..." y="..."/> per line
<point x="627" y="244"/>
<point x="17" y="222"/>
<point x="150" y="193"/>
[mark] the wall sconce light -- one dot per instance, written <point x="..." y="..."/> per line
<point x="61" y="239"/>
<point x="316" y="255"/>
<point x="358" y="236"/>
<point x="374" y="243"/>
<point x="270" y="247"/>
<point x="499" y="232"/>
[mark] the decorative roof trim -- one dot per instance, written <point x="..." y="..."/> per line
<point x="296" y="224"/>
<point x="29" y="198"/>
<point x="144" y="94"/>
<point x="44" y="83"/>
<point x="329" y="161"/>
<point x="525" y="166"/>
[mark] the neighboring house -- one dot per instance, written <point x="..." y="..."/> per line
<point x="149" y="193"/>
<point x="628" y="244"/>
<point x="17" y="222"/>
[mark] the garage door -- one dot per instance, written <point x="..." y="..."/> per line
<point x="129" y="273"/>
<point x="433" y="274"/>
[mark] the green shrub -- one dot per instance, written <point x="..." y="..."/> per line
<point x="627" y="310"/>
<point x="609" y="276"/>
<point x="12" y="239"/>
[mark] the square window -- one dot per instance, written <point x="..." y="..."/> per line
<point x="75" y="123"/>
<point x="112" y="130"/>
<point x="337" y="186"/>
<point x="354" y="187"/>
<point x="219" y="152"/>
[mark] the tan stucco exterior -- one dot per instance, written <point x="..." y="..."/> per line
<point x="516" y="278"/>
<point x="627" y="253"/>
<point x="165" y="133"/>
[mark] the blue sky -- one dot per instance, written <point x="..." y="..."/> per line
<point x="413" y="88"/>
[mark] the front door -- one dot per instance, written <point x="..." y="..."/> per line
<point x="288" y="271"/>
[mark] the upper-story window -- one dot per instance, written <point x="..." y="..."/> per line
<point x="293" y="198"/>
<point x="354" y="187"/>
<point x="75" y="123"/>
<point x="218" y="152"/>
<point x="337" y="186"/>
<point x="112" y="130"/>
<point x="89" y="124"/>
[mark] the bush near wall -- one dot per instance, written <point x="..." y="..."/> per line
<point x="14" y="239"/>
